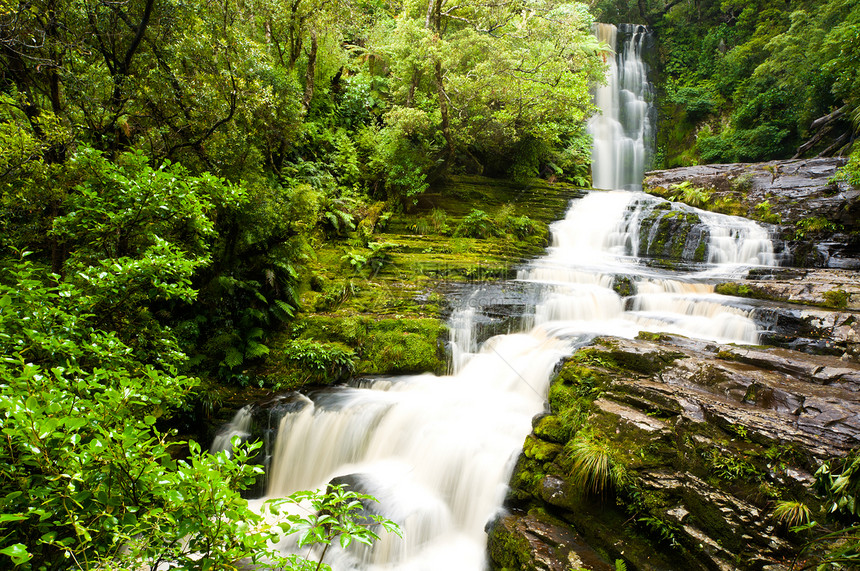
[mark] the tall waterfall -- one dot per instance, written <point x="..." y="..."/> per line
<point x="438" y="451"/>
<point x="622" y="132"/>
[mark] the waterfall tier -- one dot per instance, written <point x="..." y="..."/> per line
<point x="623" y="131"/>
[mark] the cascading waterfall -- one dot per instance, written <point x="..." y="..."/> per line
<point x="438" y="451"/>
<point x="622" y="132"/>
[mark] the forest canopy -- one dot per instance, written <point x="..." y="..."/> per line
<point x="166" y="168"/>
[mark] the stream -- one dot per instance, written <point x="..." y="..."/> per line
<point x="438" y="451"/>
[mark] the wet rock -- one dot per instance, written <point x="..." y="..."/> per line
<point x="793" y="191"/>
<point x="708" y="441"/>
<point x="537" y="541"/>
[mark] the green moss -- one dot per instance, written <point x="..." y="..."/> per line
<point x="380" y="346"/>
<point x="552" y="428"/>
<point x="526" y="479"/>
<point x="701" y="251"/>
<point x="540" y="450"/>
<point x="664" y="233"/>
<point x="624" y="286"/>
<point x="650" y="336"/>
<point x="745" y="290"/>
<point x="645" y="363"/>
<point x="836" y="298"/>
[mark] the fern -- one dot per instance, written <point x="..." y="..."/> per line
<point x="233" y="358"/>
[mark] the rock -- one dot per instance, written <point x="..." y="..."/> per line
<point x="537" y="541"/>
<point x="708" y="436"/>
<point x="794" y="190"/>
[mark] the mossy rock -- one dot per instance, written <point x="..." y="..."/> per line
<point x="552" y="428"/>
<point x="668" y="234"/>
<point x="381" y="346"/>
<point x="736" y="289"/>
<point x="540" y="450"/>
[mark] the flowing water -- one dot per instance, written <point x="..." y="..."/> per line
<point x="438" y="451"/>
<point x="622" y="131"/>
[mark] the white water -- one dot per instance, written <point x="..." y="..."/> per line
<point x="622" y="131"/>
<point x="240" y="426"/>
<point x="438" y="451"/>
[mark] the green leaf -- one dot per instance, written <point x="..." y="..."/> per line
<point x="18" y="552"/>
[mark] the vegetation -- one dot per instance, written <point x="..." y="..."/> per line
<point x="747" y="81"/>
<point x="170" y="176"/>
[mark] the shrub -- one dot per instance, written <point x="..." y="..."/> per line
<point x="319" y="362"/>
<point x="476" y="224"/>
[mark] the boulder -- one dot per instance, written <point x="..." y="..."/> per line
<point x="705" y="439"/>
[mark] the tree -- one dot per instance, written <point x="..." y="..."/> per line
<point x="479" y="81"/>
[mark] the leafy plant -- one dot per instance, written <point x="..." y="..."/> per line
<point x="438" y="219"/>
<point x="476" y="224"/>
<point x="339" y="514"/>
<point x="319" y="362"/>
<point x="689" y="194"/>
<point x="792" y="513"/>
<point x="665" y="531"/>
<point x="812" y="226"/>
<point x="763" y="213"/>
<point x="729" y="467"/>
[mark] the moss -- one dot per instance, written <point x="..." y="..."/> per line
<point x="381" y="346"/>
<point x="526" y="479"/>
<point x="701" y="251"/>
<point x="664" y="233"/>
<point x="552" y="428"/>
<point x="540" y="450"/>
<point x="836" y="298"/>
<point x="645" y="363"/>
<point x="509" y="550"/>
<point x="650" y="336"/>
<point x="624" y="286"/>
<point x="745" y="290"/>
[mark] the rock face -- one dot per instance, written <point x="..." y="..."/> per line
<point x="811" y="310"/>
<point x="794" y="191"/>
<point x="703" y="440"/>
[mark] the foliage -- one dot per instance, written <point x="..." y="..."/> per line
<point x="813" y="226"/>
<point x="476" y="224"/>
<point x="763" y="213"/>
<point x="319" y="362"/>
<point x="850" y="173"/>
<point x="749" y="78"/>
<point x="339" y="514"/>
<point x="792" y="513"/>
<point x="595" y="469"/>
<point x="379" y="256"/>
<point x="689" y="194"/>
<point x="87" y="478"/>
<point x="730" y="467"/>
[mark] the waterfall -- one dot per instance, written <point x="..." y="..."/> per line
<point x="240" y="426"/>
<point x="622" y="132"/>
<point x="438" y="451"/>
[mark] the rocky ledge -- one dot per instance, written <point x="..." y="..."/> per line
<point x="698" y="443"/>
<point x="818" y="216"/>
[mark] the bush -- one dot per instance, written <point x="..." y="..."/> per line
<point x="477" y="224"/>
<point x="316" y="362"/>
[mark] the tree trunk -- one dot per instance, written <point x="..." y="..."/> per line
<point x="311" y="72"/>
<point x="443" y="109"/>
